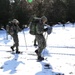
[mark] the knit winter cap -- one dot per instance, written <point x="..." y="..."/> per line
<point x="43" y="18"/>
<point x="15" y="21"/>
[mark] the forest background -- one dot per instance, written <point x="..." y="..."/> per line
<point x="55" y="10"/>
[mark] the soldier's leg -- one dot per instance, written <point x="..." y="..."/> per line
<point x="16" y="45"/>
<point x="41" y="46"/>
<point x="12" y="47"/>
<point x="35" y="42"/>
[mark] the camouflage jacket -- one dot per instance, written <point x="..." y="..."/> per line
<point x="39" y="28"/>
<point x="13" y="29"/>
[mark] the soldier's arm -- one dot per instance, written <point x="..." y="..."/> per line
<point x="19" y="29"/>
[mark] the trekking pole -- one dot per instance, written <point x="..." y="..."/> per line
<point x="46" y="37"/>
<point x="25" y="40"/>
<point x="46" y="41"/>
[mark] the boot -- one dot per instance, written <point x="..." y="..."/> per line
<point x="35" y="45"/>
<point x="18" y="52"/>
<point x="36" y="51"/>
<point x="12" y="48"/>
<point x="40" y="58"/>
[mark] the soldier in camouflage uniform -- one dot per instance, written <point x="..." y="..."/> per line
<point x="40" y="37"/>
<point x="14" y="33"/>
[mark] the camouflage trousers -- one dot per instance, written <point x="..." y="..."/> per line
<point x="35" y="41"/>
<point x="41" y="43"/>
<point x="16" y="42"/>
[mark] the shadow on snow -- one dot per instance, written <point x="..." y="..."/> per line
<point x="12" y="64"/>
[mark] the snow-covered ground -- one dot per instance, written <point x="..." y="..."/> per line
<point x="60" y="53"/>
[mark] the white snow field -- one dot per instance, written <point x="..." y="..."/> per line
<point x="60" y="53"/>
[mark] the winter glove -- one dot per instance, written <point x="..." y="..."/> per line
<point x="45" y="29"/>
<point x="49" y="31"/>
